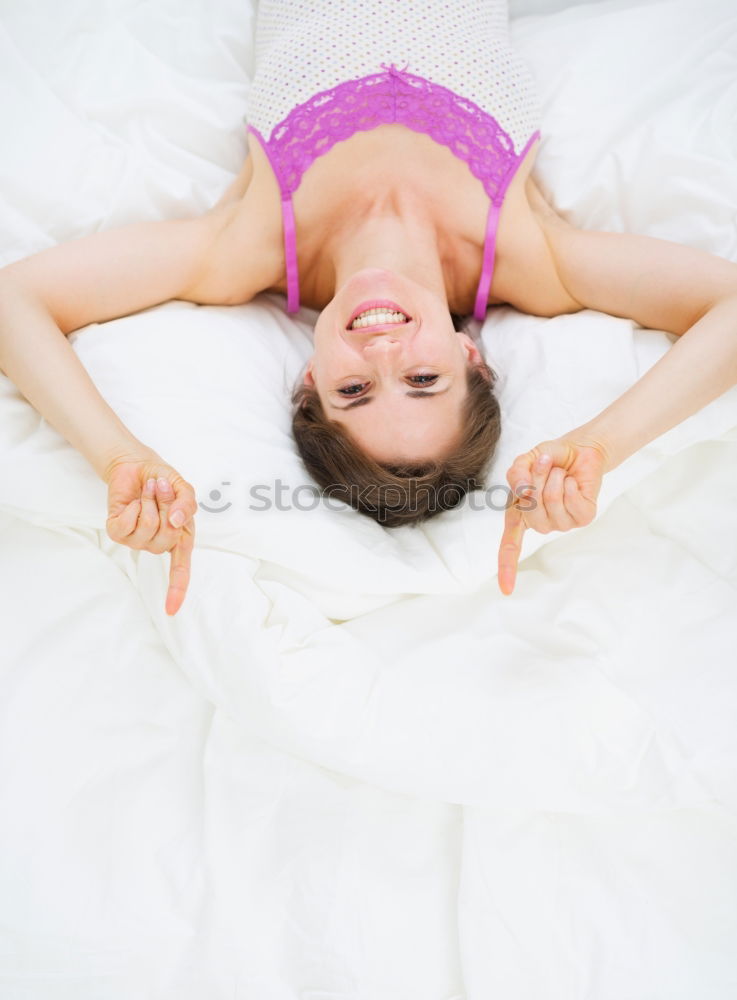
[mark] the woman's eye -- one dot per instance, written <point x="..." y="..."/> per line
<point x="423" y="379"/>
<point x="352" y="390"/>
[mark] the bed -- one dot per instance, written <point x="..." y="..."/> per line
<point x="350" y="768"/>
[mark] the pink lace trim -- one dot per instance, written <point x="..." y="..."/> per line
<point x="393" y="97"/>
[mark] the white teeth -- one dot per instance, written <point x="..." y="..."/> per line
<point x="377" y="317"/>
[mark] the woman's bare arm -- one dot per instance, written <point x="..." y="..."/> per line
<point x="661" y="286"/>
<point x="699" y="367"/>
<point x="97" y="278"/>
<point x="93" y="279"/>
<point x="121" y="271"/>
<point x="216" y="258"/>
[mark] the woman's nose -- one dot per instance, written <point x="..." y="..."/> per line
<point x="382" y="343"/>
<point x="383" y="350"/>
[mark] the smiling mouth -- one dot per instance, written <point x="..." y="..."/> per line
<point x="378" y="316"/>
<point x="380" y="327"/>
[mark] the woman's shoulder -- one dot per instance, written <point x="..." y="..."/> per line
<point x="525" y="275"/>
<point x="245" y="253"/>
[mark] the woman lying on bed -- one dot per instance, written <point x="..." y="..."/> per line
<point x="394" y="224"/>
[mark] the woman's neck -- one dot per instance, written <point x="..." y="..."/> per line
<point x="388" y="233"/>
<point x="390" y="230"/>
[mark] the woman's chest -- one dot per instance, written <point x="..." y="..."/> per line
<point x="393" y="159"/>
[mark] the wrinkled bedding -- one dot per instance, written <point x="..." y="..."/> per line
<point x="350" y="767"/>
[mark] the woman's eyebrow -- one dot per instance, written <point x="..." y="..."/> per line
<point x="414" y="393"/>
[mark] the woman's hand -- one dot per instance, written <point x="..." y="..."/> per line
<point x="150" y="506"/>
<point x="553" y="495"/>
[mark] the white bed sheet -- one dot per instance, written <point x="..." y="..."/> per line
<point x="349" y="767"/>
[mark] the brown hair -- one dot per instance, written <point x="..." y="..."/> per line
<point x="391" y="493"/>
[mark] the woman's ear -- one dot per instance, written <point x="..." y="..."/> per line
<point x="307" y="378"/>
<point x="473" y="355"/>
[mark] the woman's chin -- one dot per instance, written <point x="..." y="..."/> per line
<point x="372" y="282"/>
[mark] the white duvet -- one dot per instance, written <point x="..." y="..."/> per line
<point x="350" y="768"/>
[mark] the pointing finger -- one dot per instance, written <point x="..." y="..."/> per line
<point x="179" y="571"/>
<point x="510" y="548"/>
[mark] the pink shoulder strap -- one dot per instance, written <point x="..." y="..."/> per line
<point x="487" y="266"/>
<point x="492" y="223"/>
<point x="288" y="225"/>
<point x="290" y="253"/>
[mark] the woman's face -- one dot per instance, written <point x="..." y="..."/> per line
<point x="397" y="389"/>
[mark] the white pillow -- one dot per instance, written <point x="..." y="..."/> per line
<point x="208" y="387"/>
